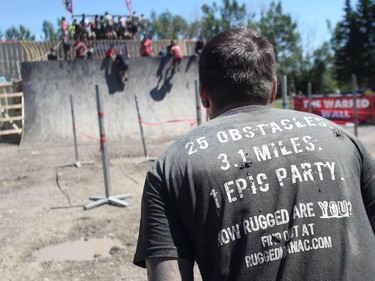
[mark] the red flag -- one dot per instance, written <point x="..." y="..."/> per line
<point x="68" y="5"/>
<point x="129" y="5"/>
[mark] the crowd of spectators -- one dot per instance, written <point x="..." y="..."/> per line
<point x="80" y="34"/>
<point x="105" y="27"/>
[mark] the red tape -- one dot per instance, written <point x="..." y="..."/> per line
<point x="103" y="138"/>
<point x="191" y="122"/>
<point x="89" y="137"/>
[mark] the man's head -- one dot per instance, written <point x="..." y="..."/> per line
<point x="237" y="67"/>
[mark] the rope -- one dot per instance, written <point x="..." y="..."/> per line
<point x="58" y="185"/>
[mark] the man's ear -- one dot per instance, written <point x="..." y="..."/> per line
<point x="274" y="91"/>
<point x="203" y="95"/>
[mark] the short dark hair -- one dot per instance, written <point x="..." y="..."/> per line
<point x="238" y="65"/>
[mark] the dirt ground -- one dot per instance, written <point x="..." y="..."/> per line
<point x="41" y="206"/>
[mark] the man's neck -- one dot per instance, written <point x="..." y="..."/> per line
<point x="214" y="112"/>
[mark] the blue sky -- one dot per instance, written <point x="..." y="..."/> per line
<point x="311" y="15"/>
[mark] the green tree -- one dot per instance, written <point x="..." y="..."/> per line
<point x="232" y="14"/>
<point x="210" y="24"/>
<point x="345" y="46"/>
<point x="317" y="68"/>
<point x="217" y="18"/>
<point x="194" y="29"/>
<point x="58" y="32"/>
<point x="180" y="27"/>
<point x="282" y="32"/>
<point x="12" y="33"/>
<point x="20" y="33"/>
<point x="49" y="31"/>
<point x="1" y="35"/>
<point x="320" y="73"/>
<point x="365" y="21"/>
<point x="353" y="43"/>
<point x="167" y="26"/>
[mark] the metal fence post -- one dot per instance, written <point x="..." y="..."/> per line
<point x="108" y="199"/>
<point x="198" y="103"/>
<point x="309" y="95"/>
<point x="77" y="163"/>
<point x="74" y="129"/>
<point x="355" y="109"/>
<point x="284" y="91"/>
<point x="147" y="158"/>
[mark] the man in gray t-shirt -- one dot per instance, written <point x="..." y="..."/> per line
<point x="257" y="193"/>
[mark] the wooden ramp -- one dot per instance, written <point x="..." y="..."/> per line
<point x="11" y="113"/>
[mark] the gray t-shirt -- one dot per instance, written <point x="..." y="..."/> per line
<point x="263" y="194"/>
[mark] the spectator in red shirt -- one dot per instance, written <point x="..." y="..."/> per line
<point x="177" y="56"/>
<point x="81" y="49"/>
<point x="146" y="47"/>
<point x="111" y="52"/>
<point x="64" y="27"/>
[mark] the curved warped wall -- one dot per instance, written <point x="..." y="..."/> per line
<point x="167" y="102"/>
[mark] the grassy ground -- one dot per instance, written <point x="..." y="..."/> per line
<point x="278" y="103"/>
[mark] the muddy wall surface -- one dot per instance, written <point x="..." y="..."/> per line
<point x="166" y="100"/>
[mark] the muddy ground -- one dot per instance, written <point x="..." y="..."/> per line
<point x="41" y="207"/>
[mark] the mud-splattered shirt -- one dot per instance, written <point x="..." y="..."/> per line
<point x="263" y="194"/>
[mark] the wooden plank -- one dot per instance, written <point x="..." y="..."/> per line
<point x="9" y="132"/>
<point x="12" y="106"/>
<point x="14" y="125"/>
<point x="11" y="95"/>
<point x="6" y="84"/>
<point x="11" y="118"/>
<point x="23" y="119"/>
